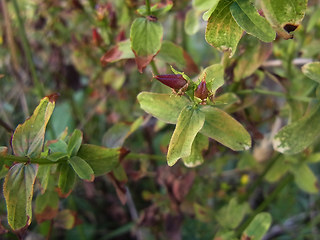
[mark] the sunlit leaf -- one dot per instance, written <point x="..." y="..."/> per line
<point x="298" y="135"/>
<point x="247" y="16"/>
<point x="223" y="128"/>
<point x="162" y="106"/>
<point x="312" y="71"/>
<point x="199" y="144"/>
<point x="222" y="30"/>
<point x="74" y="142"/>
<point x="189" y="123"/>
<point x="192" y="24"/>
<point x="28" y="137"/>
<point x="258" y="226"/>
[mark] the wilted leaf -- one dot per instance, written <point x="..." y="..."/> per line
<point x="305" y="178"/>
<point x="46" y="206"/>
<point x="284" y="15"/>
<point x="221" y="127"/>
<point x="222" y="30"/>
<point x="66" y="219"/>
<point x="121" y="51"/>
<point x="312" y="71"/>
<point x="145" y="36"/>
<point x="189" y="123"/>
<point x="247" y="16"/>
<point x="199" y="144"/>
<point x="165" y="107"/>
<point x="82" y="168"/>
<point x="102" y="160"/>
<point x="298" y="135"/>
<point x="18" y="193"/>
<point x="258" y="227"/>
<point x="28" y="137"/>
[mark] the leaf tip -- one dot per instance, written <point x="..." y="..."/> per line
<point x="53" y="97"/>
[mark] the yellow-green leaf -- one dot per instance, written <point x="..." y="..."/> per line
<point x="222" y="30"/>
<point x="312" y="71"/>
<point x="223" y="128"/>
<point x="82" y="168"/>
<point x="18" y="193"/>
<point x="162" y="106"/>
<point x="190" y="121"/>
<point x="258" y="227"/>
<point x="28" y="138"/>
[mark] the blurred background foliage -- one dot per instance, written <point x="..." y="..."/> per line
<point x="66" y="40"/>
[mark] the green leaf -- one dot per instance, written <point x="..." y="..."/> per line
<point x="58" y="156"/>
<point x="190" y="121"/>
<point x="222" y="31"/>
<point x="162" y="106"/>
<point x="74" y="142"/>
<point x="211" y="8"/>
<point x="18" y="193"/>
<point x="203" y="5"/>
<point x="192" y="23"/>
<point x="82" y="168"/>
<point x="47" y="205"/>
<point x="312" y="71"/>
<point x="119" y="52"/>
<point x="102" y="160"/>
<point x="172" y="53"/>
<point x="67" y="178"/>
<point x="284" y="15"/>
<point x="213" y="76"/>
<point x="157" y="9"/>
<point x="43" y="177"/>
<point x="118" y="133"/>
<point x="223" y="128"/>
<point x="59" y="146"/>
<point x="248" y="18"/>
<point x="231" y="215"/>
<point x="258" y="226"/>
<point x="145" y="36"/>
<point x="298" y="135"/>
<point x="305" y="178"/>
<point x="278" y="169"/>
<point x="199" y="144"/>
<point x="28" y="138"/>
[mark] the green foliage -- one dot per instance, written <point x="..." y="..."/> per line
<point x="242" y="117"/>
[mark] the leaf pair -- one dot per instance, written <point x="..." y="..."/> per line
<point x="228" y="19"/>
<point x="191" y="121"/>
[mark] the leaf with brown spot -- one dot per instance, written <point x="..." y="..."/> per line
<point x="146" y="37"/>
<point x="284" y="15"/>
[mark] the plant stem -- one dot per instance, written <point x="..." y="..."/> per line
<point x="148" y="7"/>
<point x="154" y="67"/>
<point x="287" y="179"/>
<point x="40" y="161"/>
<point x="27" y="50"/>
<point x="261" y="177"/>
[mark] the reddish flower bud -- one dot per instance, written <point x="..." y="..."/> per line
<point x="175" y="81"/>
<point x="202" y="91"/>
<point x="96" y="38"/>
